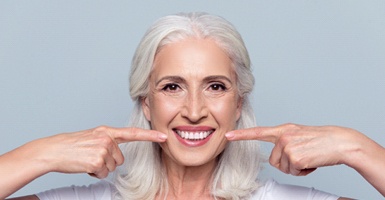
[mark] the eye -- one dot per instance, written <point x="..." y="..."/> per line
<point x="218" y="87"/>
<point x="171" y="87"/>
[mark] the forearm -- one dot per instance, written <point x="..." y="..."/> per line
<point x="94" y="151"/>
<point x="369" y="161"/>
<point x="19" y="167"/>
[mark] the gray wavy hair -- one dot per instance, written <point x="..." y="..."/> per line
<point x="235" y="177"/>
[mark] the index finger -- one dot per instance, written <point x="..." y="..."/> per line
<point x="267" y="134"/>
<point x="129" y="134"/>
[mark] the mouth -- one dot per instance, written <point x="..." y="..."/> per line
<point x="193" y="135"/>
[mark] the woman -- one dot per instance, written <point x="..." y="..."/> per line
<point x="190" y="80"/>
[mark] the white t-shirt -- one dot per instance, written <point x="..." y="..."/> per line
<point x="103" y="190"/>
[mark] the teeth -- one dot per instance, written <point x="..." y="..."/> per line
<point x="193" y="135"/>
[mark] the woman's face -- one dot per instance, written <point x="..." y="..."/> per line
<point x="193" y="99"/>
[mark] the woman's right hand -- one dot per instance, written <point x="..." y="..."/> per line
<point x="94" y="151"/>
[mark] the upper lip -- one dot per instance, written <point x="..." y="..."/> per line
<point x="194" y="128"/>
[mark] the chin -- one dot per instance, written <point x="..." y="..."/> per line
<point x="191" y="158"/>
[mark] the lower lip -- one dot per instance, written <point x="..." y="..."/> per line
<point x="193" y="143"/>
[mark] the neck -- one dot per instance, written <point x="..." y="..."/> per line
<point x="189" y="182"/>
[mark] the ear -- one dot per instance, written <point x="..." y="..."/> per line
<point x="239" y="108"/>
<point x="146" y="108"/>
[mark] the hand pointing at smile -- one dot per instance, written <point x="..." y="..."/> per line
<point x="300" y="149"/>
<point x="94" y="151"/>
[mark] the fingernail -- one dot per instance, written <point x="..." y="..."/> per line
<point x="229" y="135"/>
<point x="162" y="136"/>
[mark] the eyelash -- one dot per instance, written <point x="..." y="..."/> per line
<point x="170" y="87"/>
<point x="218" y="86"/>
<point x="214" y="86"/>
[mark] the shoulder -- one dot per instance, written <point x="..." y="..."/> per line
<point x="272" y="190"/>
<point x="102" y="190"/>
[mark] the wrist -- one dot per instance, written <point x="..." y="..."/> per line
<point x="361" y="153"/>
<point x="33" y="158"/>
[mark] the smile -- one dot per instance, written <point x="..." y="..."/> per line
<point x="194" y="135"/>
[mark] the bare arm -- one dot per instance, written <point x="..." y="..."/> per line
<point x="299" y="150"/>
<point x="368" y="159"/>
<point x="93" y="151"/>
<point x="19" y="167"/>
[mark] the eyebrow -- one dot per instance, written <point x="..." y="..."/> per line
<point x="179" y="79"/>
<point x="218" y="77"/>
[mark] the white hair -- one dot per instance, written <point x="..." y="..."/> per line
<point x="235" y="176"/>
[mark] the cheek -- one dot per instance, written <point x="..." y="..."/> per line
<point x="225" y="111"/>
<point x="162" y="110"/>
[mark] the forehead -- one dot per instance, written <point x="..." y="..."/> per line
<point x="194" y="55"/>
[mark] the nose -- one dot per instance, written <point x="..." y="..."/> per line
<point x="194" y="108"/>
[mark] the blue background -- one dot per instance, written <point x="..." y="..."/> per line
<point x="64" y="67"/>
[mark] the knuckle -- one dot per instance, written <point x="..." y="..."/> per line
<point x="101" y="136"/>
<point x="284" y="169"/>
<point x="119" y="160"/>
<point x="112" y="168"/>
<point x="295" y="161"/>
<point x="96" y="165"/>
<point x="272" y="162"/>
<point x="102" y="153"/>
<point x="298" y="163"/>
<point x="287" y="131"/>
<point x="103" y="174"/>
<point x="133" y="132"/>
<point x="284" y="140"/>
<point x="294" y="171"/>
<point x="291" y="127"/>
<point x="101" y="128"/>
<point x="105" y="141"/>
<point x="289" y="150"/>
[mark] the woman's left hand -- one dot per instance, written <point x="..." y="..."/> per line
<point x="299" y="149"/>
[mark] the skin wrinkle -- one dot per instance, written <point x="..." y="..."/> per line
<point x="192" y="84"/>
<point x="164" y="81"/>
